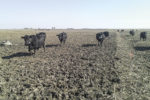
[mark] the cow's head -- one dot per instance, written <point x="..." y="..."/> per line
<point x="27" y="39"/>
<point x="101" y="36"/>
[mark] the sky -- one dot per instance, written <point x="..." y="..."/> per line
<point x="16" y="14"/>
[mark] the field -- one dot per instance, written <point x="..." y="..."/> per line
<point x="135" y="66"/>
<point x="78" y="70"/>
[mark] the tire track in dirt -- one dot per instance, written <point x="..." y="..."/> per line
<point x="123" y="65"/>
<point x="130" y="69"/>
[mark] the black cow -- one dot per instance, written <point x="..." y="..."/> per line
<point x="62" y="37"/>
<point x="34" y="42"/>
<point x="106" y="33"/>
<point x="132" y="32"/>
<point x="100" y="37"/>
<point x="122" y="30"/>
<point x="143" y="35"/>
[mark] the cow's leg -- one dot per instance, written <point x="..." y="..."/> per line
<point x="60" y="43"/>
<point x="98" y="43"/>
<point x="64" y="41"/>
<point x="29" y="49"/>
<point x="101" y="42"/>
<point x="34" y="51"/>
<point x="44" y="47"/>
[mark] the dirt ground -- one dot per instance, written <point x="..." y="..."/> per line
<point x="78" y="70"/>
<point x="133" y="66"/>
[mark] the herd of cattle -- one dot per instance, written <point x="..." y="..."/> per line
<point x="143" y="35"/>
<point x="34" y="42"/>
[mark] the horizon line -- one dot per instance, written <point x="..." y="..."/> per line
<point x="62" y="28"/>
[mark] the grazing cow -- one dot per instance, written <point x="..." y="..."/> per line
<point x="143" y="36"/>
<point x="62" y="37"/>
<point x="106" y="33"/>
<point x="132" y="32"/>
<point x="100" y="37"/>
<point x="34" y="42"/>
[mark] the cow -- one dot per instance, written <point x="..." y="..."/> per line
<point x="100" y="37"/>
<point x="106" y="33"/>
<point x="62" y="37"/>
<point x="132" y="32"/>
<point x="34" y="42"/>
<point x="122" y="30"/>
<point x="143" y="35"/>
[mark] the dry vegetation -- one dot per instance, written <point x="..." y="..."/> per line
<point x="77" y="70"/>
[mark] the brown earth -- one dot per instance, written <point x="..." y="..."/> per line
<point x="77" y="70"/>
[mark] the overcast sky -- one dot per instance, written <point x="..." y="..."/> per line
<point x="74" y="13"/>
